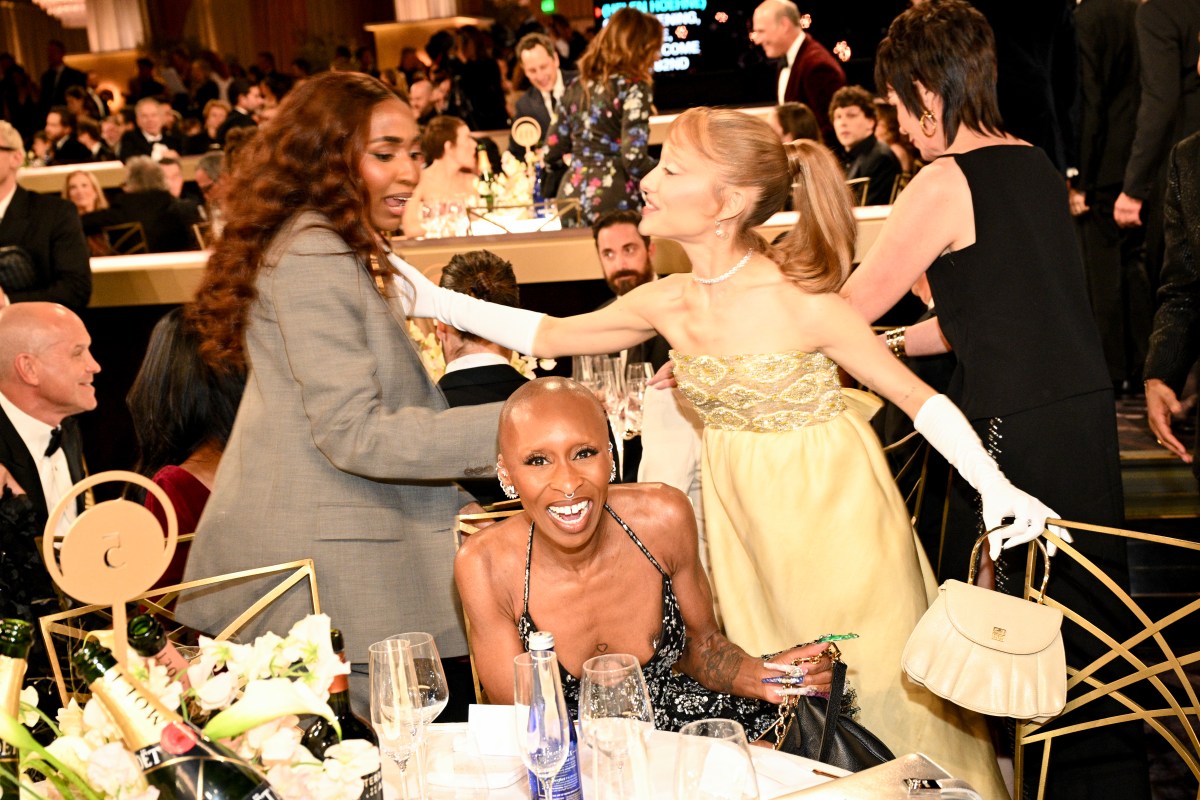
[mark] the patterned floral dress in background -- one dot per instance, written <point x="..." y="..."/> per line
<point x="607" y="134"/>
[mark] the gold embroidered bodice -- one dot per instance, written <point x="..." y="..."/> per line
<point x="764" y="393"/>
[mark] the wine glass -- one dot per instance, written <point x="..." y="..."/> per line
<point x="542" y="722"/>
<point x="431" y="678"/>
<point x="616" y="717"/>
<point x="713" y="762"/>
<point x="636" y="375"/>
<point x="395" y="703"/>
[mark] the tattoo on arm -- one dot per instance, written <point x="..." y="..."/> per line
<point x="719" y="664"/>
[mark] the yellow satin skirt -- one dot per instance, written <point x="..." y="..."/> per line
<point x="808" y="535"/>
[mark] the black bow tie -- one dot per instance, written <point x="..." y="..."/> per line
<point x="55" y="441"/>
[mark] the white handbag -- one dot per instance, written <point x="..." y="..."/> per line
<point x="991" y="652"/>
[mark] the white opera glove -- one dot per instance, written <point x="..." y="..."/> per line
<point x="514" y="328"/>
<point x="945" y="427"/>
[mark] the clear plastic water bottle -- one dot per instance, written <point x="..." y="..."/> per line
<point x="567" y="784"/>
<point x="539" y="206"/>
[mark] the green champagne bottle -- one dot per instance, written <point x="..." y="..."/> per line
<point x="174" y="756"/>
<point x="322" y="735"/>
<point x="148" y="639"/>
<point x="16" y="637"/>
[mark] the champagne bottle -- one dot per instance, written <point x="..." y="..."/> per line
<point x="175" y="757"/>
<point x="567" y="785"/>
<point x="148" y="639"/>
<point x="16" y="637"/>
<point x="322" y="735"/>
<point x="487" y="181"/>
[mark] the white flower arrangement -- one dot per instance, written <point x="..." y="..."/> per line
<point x="258" y="690"/>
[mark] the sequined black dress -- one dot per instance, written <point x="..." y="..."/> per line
<point x="677" y="698"/>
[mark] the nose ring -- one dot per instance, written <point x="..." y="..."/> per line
<point x="569" y="495"/>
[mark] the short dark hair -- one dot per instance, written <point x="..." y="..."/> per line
<point x="481" y="274"/>
<point x="949" y="47"/>
<point x="532" y="40"/>
<point x="238" y="89"/>
<point x="618" y="218"/>
<point x="64" y="116"/>
<point x="303" y="65"/>
<point x="439" y="131"/>
<point x="75" y="93"/>
<point x="179" y="403"/>
<point x="799" y="121"/>
<point x="851" y="96"/>
<point x="89" y="126"/>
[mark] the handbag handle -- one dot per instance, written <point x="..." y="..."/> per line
<point x="1038" y="541"/>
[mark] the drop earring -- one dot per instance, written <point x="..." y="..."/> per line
<point x="509" y="490"/>
<point x="721" y="234"/>
<point x="612" y="475"/>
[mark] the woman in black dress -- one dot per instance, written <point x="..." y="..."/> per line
<point x="987" y="222"/>
<point x="571" y="563"/>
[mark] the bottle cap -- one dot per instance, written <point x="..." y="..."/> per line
<point x="541" y="640"/>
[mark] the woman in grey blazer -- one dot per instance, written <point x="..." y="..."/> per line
<point x="343" y="449"/>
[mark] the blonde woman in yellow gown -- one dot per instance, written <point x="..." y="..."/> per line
<point x="808" y="533"/>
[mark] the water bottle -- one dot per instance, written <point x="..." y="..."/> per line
<point x="567" y="784"/>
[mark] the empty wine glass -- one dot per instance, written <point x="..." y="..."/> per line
<point x="431" y="678"/>
<point x="542" y="722"/>
<point x="395" y="704"/>
<point x="616" y="717"/>
<point x="713" y="762"/>
<point x="636" y="375"/>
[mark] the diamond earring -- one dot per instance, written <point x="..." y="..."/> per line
<point x="509" y="490"/>
<point x="612" y="475"/>
<point x="721" y="234"/>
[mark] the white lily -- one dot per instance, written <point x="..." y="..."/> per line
<point x="264" y="701"/>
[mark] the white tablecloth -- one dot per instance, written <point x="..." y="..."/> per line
<point x="778" y="773"/>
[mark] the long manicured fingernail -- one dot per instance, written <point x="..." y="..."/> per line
<point x="806" y="691"/>
<point x="786" y="680"/>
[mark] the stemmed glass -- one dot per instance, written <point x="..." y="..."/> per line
<point x="395" y="704"/>
<point x="713" y="762"/>
<point x="543" y="735"/>
<point x="636" y="376"/>
<point x="616" y="718"/>
<point x="431" y="678"/>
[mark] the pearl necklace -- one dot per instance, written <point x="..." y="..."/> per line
<point x="726" y="276"/>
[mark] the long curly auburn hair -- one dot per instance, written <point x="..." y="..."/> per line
<point x="304" y="159"/>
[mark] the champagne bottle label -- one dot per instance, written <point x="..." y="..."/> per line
<point x="182" y="758"/>
<point x="373" y="786"/>
<point x="139" y="717"/>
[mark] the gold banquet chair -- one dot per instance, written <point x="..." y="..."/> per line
<point x="1140" y="671"/>
<point x="858" y="190"/>
<point x="468" y="525"/>
<point x="68" y="627"/>
<point x="125" y="239"/>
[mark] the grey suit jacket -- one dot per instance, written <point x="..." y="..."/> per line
<point x="343" y="451"/>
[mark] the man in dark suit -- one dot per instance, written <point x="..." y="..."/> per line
<point x="1118" y="287"/>
<point x="47" y="229"/>
<point x="58" y="77"/>
<point x="1168" y="112"/>
<point x="64" y="147"/>
<point x="88" y="133"/>
<point x="46" y="372"/>
<point x="1175" y="342"/>
<point x="852" y="111"/>
<point x="478" y="371"/>
<point x="147" y="138"/>
<point x="247" y="100"/>
<point x="547" y="82"/>
<point x="808" y="72"/>
<point x="166" y="220"/>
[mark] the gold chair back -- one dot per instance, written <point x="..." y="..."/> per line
<point x="898" y="186"/>
<point x="203" y="233"/>
<point x="126" y="239"/>
<point x="1150" y="673"/>
<point x="468" y="525"/>
<point x="858" y="190"/>
<point x="160" y="603"/>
